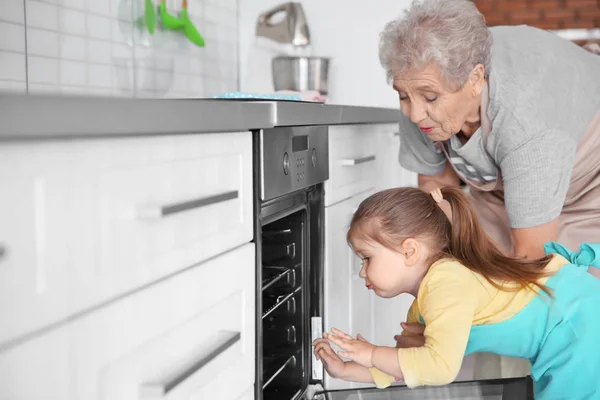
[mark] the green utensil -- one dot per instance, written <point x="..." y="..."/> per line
<point x="169" y="21"/>
<point x="189" y="28"/>
<point x="150" y="16"/>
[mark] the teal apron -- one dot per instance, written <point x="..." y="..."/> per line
<point x="558" y="336"/>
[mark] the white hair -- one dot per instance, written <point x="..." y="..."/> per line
<point x="451" y="34"/>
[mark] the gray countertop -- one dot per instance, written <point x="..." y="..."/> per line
<point x="24" y="117"/>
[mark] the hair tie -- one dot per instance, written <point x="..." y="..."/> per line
<point x="437" y="195"/>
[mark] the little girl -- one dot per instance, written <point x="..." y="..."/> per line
<point x="470" y="298"/>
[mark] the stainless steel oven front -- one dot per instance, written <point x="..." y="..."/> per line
<point x="291" y="165"/>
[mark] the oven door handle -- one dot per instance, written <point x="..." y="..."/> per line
<point x="155" y="391"/>
<point x="356" y="161"/>
<point x="151" y="211"/>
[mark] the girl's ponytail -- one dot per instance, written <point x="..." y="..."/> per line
<point x="471" y="245"/>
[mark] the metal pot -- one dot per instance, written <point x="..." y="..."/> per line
<point x="301" y="73"/>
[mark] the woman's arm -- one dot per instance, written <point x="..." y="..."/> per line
<point x="536" y="173"/>
<point x="529" y="242"/>
<point x="447" y="177"/>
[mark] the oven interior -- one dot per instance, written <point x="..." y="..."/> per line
<point x="284" y="284"/>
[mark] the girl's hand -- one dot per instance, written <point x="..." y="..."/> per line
<point x="333" y="364"/>
<point x="412" y="336"/>
<point x="357" y="350"/>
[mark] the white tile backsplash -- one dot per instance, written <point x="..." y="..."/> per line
<point x="98" y="27"/>
<point x="71" y="21"/>
<point x="41" y="42"/>
<point x="41" y="15"/>
<point x="43" y="88"/>
<point x="73" y="73"/>
<point x="102" y="47"/>
<point x="100" y="76"/>
<point x="100" y="7"/>
<point x="13" y="86"/>
<point x="13" y="11"/>
<point x="72" y="47"/>
<point x="12" y="37"/>
<point x="99" y="51"/>
<point x="76" y="4"/>
<point x="12" y="66"/>
<point x="43" y="70"/>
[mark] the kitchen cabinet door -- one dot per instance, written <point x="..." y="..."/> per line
<point x="348" y="304"/>
<point x="389" y="172"/>
<point x="83" y="222"/>
<point x="352" y="162"/>
<point x="188" y="337"/>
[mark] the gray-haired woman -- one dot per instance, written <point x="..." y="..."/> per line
<point x="513" y="111"/>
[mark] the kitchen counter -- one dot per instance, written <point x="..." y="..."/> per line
<point x="50" y="117"/>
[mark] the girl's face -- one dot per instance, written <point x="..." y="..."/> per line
<point x="385" y="271"/>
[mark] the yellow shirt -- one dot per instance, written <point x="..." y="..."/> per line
<point x="451" y="299"/>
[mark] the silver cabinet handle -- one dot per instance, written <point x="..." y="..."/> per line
<point x="396" y="133"/>
<point x="356" y="161"/>
<point x="158" y="211"/>
<point x="2" y="251"/>
<point x="152" y="391"/>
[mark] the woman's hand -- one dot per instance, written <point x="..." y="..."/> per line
<point x="412" y="336"/>
<point x="333" y="364"/>
<point x="357" y="350"/>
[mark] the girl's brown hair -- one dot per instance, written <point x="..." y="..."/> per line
<point x="391" y="216"/>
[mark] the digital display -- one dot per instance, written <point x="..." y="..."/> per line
<point x="299" y="143"/>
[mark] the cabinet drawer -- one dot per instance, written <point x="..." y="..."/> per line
<point x="352" y="161"/>
<point x="85" y="221"/>
<point x="190" y="336"/>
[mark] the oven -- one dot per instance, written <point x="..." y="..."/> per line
<point x="291" y="164"/>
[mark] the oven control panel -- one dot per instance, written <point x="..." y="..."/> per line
<point x="293" y="158"/>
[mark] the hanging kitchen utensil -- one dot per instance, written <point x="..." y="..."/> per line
<point x="169" y="21"/>
<point x="189" y="28"/>
<point x="149" y="16"/>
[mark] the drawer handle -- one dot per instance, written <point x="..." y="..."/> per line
<point x="152" y="391"/>
<point x="2" y="251"/>
<point x="396" y="133"/>
<point x="154" y="211"/>
<point x="356" y="161"/>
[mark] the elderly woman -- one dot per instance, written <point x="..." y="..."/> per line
<point x="512" y="111"/>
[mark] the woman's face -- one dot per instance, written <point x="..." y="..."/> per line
<point x="437" y="109"/>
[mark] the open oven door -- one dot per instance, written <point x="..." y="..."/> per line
<point x="497" y="389"/>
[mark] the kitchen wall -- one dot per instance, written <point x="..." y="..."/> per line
<point x="345" y="30"/>
<point x="545" y="14"/>
<point x="101" y="47"/>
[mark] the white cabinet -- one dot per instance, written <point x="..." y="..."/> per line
<point x="348" y="303"/>
<point x="389" y="172"/>
<point x="190" y="336"/>
<point x="85" y="221"/>
<point x="352" y="162"/>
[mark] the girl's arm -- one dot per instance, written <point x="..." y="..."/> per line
<point x="385" y="359"/>
<point x="356" y="373"/>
